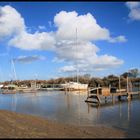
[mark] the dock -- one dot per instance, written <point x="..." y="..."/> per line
<point x="96" y="95"/>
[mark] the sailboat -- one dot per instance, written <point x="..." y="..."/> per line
<point x="75" y="86"/>
<point x="26" y="89"/>
<point x="10" y="88"/>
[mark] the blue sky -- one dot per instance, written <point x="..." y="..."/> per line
<point x="40" y="37"/>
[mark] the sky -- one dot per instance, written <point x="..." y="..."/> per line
<point x="44" y="40"/>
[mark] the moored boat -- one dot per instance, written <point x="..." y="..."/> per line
<point x="27" y="90"/>
<point x="9" y="89"/>
<point x="72" y="86"/>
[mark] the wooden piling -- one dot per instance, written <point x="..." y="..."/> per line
<point x="113" y="100"/>
<point x="119" y="97"/>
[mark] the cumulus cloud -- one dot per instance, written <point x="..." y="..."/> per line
<point x="28" y="59"/>
<point x="11" y="21"/>
<point x="134" y="10"/>
<point x="12" y="24"/>
<point x="87" y="27"/>
<point x="83" y="52"/>
<point x="133" y="4"/>
<point x="71" y="52"/>
<point x="94" y="63"/>
<point x="36" y="41"/>
<point x="62" y="42"/>
<point x="84" y="56"/>
<point x="67" y="22"/>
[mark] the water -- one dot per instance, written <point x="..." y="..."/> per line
<point x="72" y="108"/>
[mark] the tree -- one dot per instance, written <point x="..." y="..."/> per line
<point x="126" y="74"/>
<point x="87" y="76"/>
<point x="134" y="72"/>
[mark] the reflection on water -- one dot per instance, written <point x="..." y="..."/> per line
<point x="71" y="108"/>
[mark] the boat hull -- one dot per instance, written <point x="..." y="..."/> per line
<point x="73" y="86"/>
<point x="9" y="91"/>
<point x="27" y="90"/>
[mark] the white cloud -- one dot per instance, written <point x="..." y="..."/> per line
<point x="36" y="41"/>
<point x="134" y="10"/>
<point x="85" y="55"/>
<point x="11" y="21"/>
<point x="90" y="67"/>
<point x="62" y="41"/>
<point x="133" y="4"/>
<point x="28" y="59"/>
<point x="87" y="27"/>
<point x="135" y="14"/>
<point x="12" y="24"/>
<point x="94" y="63"/>
<point x="67" y="69"/>
<point x="72" y="52"/>
<point x="118" y="39"/>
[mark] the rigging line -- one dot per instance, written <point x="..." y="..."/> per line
<point x="77" y="76"/>
<point x="13" y="66"/>
<point x="76" y="59"/>
<point x="15" y="96"/>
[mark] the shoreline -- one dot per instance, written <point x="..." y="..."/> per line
<point x="17" y="125"/>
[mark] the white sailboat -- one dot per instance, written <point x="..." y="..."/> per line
<point x="10" y="88"/>
<point x="74" y="86"/>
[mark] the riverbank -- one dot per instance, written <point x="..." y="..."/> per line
<point x="15" y="125"/>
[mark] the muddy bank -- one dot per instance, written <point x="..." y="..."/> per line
<point x="15" y="125"/>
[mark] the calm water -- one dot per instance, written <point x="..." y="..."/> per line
<point x="71" y="108"/>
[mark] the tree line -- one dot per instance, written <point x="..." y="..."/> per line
<point x="110" y="80"/>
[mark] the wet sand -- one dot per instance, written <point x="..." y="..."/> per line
<point x="15" y="125"/>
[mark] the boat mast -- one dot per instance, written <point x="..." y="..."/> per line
<point x="13" y="66"/>
<point x="76" y="60"/>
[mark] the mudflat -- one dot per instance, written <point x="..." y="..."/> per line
<point x="16" y="125"/>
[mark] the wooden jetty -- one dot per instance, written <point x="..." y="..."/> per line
<point x="96" y="94"/>
<point x="104" y="92"/>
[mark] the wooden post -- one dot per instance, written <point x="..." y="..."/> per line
<point x="127" y="84"/>
<point x="97" y="90"/>
<point x="113" y="98"/>
<point x="139" y="89"/>
<point x="65" y="90"/>
<point x="119" y="84"/>
<point x="119" y="97"/>
<point x="128" y="97"/>
<point x="105" y="99"/>
<point x="139" y="86"/>
<point x="88" y="109"/>
<point x="98" y="94"/>
<point x="88" y="92"/>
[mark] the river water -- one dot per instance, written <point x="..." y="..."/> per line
<point x="72" y="108"/>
